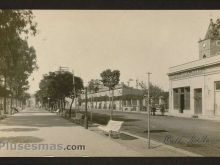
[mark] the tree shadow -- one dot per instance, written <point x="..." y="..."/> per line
<point x="19" y="129"/>
<point x="20" y="139"/>
<point x="104" y="118"/>
<point x="155" y="131"/>
<point x="37" y="121"/>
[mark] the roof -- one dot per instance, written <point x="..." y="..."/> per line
<point x="209" y="61"/>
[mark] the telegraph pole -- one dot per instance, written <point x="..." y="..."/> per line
<point x="148" y="108"/>
<point x="74" y="88"/>
<point x="86" y="119"/>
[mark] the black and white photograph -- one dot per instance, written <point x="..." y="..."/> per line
<point x="109" y="83"/>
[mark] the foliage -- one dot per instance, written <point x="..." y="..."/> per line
<point x="58" y="85"/>
<point x="110" y="78"/>
<point x="93" y="85"/>
<point x="17" y="59"/>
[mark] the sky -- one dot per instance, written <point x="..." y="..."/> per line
<point x="132" y="41"/>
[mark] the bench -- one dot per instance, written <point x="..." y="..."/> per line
<point x="57" y="111"/>
<point x="112" y="127"/>
<point x="14" y="110"/>
<point x="78" y="118"/>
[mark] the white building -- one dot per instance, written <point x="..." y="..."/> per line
<point x="194" y="87"/>
<point x="125" y="99"/>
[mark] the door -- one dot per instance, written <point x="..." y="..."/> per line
<point x="217" y="102"/>
<point x="198" y="101"/>
<point x="217" y="98"/>
<point x="182" y="103"/>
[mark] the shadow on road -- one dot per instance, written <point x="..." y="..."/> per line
<point x="155" y="131"/>
<point x="19" y="129"/>
<point x="26" y="119"/>
<point x="20" y="139"/>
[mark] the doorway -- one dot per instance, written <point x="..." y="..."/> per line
<point x="217" y="98"/>
<point x="182" y="103"/>
<point x="198" y="101"/>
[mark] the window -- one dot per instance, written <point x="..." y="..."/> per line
<point x="177" y="101"/>
<point x="217" y="85"/>
<point x="124" y="103"/>
<point x="134" y="102"/>
<point x="187" y="98"/>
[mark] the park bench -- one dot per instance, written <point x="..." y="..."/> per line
<point x="14" y="109"/>
<point x="78" y="118"/>
<point x="57" y="111"/>
<point x="112" y="127"/>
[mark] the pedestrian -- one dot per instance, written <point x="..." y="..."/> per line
<point x="153" y="107"/>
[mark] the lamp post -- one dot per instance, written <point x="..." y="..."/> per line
<point x="48" y="103"/>
<point x="148" y="108"/>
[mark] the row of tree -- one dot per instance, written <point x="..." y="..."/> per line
<point x="56" y="86"/>
<point x="17" y="58"/>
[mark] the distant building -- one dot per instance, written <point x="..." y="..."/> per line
<point x="194" y="87"/>
<point x="125" y="98"/>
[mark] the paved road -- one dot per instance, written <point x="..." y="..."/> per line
<point x="195" y="135"/>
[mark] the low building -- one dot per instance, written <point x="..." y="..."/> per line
<point x="194" y="87"/>
<point x="125" y="99"/>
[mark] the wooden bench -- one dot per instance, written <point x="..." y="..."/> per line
<point x="112" y="127"/>
<point x="78" y="118"/>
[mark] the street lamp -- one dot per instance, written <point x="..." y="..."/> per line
<point x="48" y="103"/>
<point x="148" y="108"/>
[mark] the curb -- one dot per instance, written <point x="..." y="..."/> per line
<point x="167" y="146"/>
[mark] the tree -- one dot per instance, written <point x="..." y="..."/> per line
<point x="110" y="79"/>
<point x="93" y="87"/>
<point x="58" y="85"/>
<point x="14" y="25"/>
<point x="76" y="91"/>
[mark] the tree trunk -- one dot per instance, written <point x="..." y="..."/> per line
<point x="4" y="111"/>
<point x="110" y="104"/>
<point x="112" y="107"/>
<point x="70" y="111"/>
<point x="16" y="102"/>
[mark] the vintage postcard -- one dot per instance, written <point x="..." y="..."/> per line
<point x="109" y="83"/>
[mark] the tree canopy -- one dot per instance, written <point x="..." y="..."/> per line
<point x="17" y="58"/>
<point x="93" y="85"/>
<point x="58" y="85"/>
<point x="110" y="78"/>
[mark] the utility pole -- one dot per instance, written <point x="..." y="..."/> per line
<point x="86" y="119"/>
<point x="148" y="108"/>
<point x="74" y="88"/>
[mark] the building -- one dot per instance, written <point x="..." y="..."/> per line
<point x="194" y="87"/>
<point x="125" y="99"/>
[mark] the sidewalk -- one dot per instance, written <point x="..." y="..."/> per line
<point x="140" y="144"/>
<point x="42" y="127"/>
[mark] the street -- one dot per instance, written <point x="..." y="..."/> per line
<point x="194" y="135"/>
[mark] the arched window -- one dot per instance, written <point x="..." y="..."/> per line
<point x="204" y="56"/>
